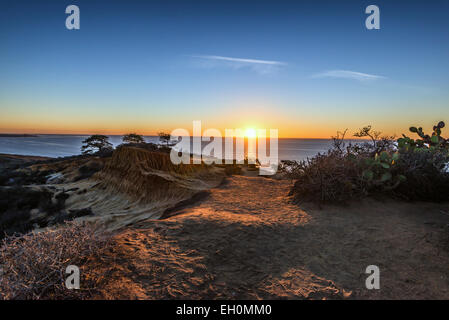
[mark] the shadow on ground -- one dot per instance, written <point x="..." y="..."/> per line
<point x="246" y="240"/>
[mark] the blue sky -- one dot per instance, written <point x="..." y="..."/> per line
<point x="308" y="68"/>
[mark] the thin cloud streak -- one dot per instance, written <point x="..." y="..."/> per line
<point x="345" y="74"/>
<point x="278" y="63"/>
<point x="256" y="65"/>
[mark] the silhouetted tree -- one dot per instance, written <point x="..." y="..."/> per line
<point x="378" y="141"/>
<point x="96" y="143"/>
<point x="164" y="137"/>
<point x="367" y="132"/>
<point x="133" y="138"/>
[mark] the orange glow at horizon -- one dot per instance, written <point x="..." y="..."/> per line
<point x="288" y="127"/>
<point x="306" y="132"/>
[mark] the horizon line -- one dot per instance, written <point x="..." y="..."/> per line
<point x="146" y="135"/>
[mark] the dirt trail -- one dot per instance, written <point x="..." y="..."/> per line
<point x="245" y="240"/>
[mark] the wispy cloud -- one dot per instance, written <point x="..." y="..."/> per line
<point x="259" y="66"/>
<point x="345" y="74"/>
<point x="240" y="60"/>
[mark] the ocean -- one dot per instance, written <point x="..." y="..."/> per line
<point x="68" y="145"/>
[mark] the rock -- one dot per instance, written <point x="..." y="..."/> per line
<point x="55" y="178"/>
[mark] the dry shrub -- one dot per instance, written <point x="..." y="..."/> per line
<point x="334" y="176"/>
<point x="338" y="177"/>
<point x="33" y="265"/>
<point x="427" y="175"/>
<point x="330" y="177"/>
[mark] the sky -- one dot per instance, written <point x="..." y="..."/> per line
<point x="306" y="68"/>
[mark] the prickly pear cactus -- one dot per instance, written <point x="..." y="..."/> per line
<point x="379" y="170"/>
<point x="434" y="141"/>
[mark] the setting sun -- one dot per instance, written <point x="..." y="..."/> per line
<point x="250" y="133"/>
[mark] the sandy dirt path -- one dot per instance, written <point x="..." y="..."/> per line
<point x="246" y="240"/>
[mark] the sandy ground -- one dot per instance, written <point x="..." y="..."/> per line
<point x="246" y="240"/>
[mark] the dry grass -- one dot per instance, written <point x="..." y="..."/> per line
<point x="32" y="266"/>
